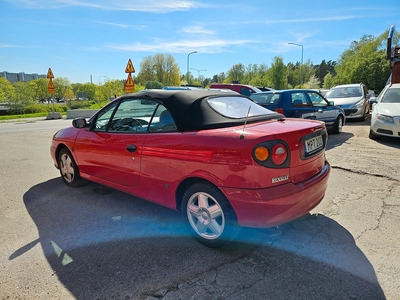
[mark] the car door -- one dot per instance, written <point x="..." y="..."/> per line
<point x="298" y="105"/>
<point x="322" y="110"/>
<point x="111" y="149"/>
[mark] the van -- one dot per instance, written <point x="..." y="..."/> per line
<point x="243" y="89"/>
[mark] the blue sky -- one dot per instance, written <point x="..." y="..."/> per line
<point x="92" y="40"/>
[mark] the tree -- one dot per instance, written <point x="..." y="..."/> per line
<point x="87" y="90"/>
<point x="40" y="89"/>
<point x="61" y="85"/>
<point x="236" y="74"/>
<point x="109" y="90"/>
<point x="153" y="84"/>
<point x="278" y="73"/>
<point x="7" y="90"/>
<point x="23" y="96"/>
<point x="323" y="69"/>
<point x="162" y="68"/>
<point x="365" y="61"/>
<point x="313" y="83"/>
<point x="328" y="81"/>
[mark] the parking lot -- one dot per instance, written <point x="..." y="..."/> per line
<point x="96" y="243"/>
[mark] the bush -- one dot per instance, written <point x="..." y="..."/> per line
<point x="35" y="108"/>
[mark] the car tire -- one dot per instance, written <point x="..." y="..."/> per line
<point x="337" y="128"/>
<point x="68" y="168"/>
<point x="211" y="219"/>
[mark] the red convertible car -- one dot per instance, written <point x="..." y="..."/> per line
<point x="219" y="158"/>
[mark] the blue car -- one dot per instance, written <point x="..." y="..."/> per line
<point x="305" y="104"/>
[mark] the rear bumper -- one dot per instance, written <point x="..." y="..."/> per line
<point x="268" y="207"/>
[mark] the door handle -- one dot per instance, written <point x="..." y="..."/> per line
<point x="131" y="148"/>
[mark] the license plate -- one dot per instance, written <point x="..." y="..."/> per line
<point x="314" y="144"/>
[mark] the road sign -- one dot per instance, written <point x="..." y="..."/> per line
<point x="50" y="74"/>
<point x="50" y="87"/>
<point x="129" y="67"/>
<point x="129" y="85"/>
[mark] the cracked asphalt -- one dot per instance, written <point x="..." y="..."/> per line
<point x="98" y="243"/>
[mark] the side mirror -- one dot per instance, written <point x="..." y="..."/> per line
<point x="331" y="103"/>
<point x="79" y="123"/>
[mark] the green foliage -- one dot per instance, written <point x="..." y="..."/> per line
<point x="161" y="68"/>
<point x="365" y="61"/>
<point x="80" y="104"/>
<point x="6" y="90"/>
<point x="278" y="74"/>
<point x="236" y="74"/>
<point x="328" y="81"/>
<point x="153" y="84"/>
<point x="88" y="89"/>
<point x="35" y="108"/>
<point x="109" y="90"/>
<point x="61" y="85"/>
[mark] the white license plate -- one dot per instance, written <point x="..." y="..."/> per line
<point x="314" y="144"/>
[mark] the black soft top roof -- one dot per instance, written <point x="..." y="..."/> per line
<point x="190" y="110"/>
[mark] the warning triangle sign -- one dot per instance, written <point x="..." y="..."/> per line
<point x="50" y="74"/>
<point x="50" y="87"/>
<point x="129" y="67"/>
<point x="129" y="85"/>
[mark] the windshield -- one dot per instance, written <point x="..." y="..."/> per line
<point x="237" y="107"/>
<point x="344" y="92"/>
<point x="392" y="95"/>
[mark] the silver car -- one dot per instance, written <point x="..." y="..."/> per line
<point x="353" y="98"/>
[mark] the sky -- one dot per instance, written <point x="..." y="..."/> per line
<point x="92" y="40"/>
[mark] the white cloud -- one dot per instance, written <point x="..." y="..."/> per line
<point x="183" y="46"/>
<point x="152" y="6"/>
<point x="197" y="30"/>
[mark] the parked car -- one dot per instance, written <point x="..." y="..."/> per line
<point x="264" y="88"/>
<point x="305" y="104"/>
<point x="219" y="158"/>
<point x="385" y="117"/>
<point x="243" y="89"/>
<point x="353" y="98"/>
<point x="372" y="99"/>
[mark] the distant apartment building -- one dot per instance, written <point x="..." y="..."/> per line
<point x="15" y="77"/>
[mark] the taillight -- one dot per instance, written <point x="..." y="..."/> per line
<point x="279" y="154"/>
<point x="279" y="110"/>
<point x="272" y="154"/>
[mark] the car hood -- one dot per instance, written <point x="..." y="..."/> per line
<point x="390" y="109"/>
<point x="345" y="101"/>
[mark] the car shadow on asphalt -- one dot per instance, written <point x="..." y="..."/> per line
<point x="102" y="244"/>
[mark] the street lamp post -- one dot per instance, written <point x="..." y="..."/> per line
<point x="100" y="77"/>
<point x="187" y="75"/>
<point x="301" y="63"/>
<point x="198" y="72"/>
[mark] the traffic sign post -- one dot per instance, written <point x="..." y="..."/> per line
<point x="129" y="84"/>
<point x="51" y="90"/>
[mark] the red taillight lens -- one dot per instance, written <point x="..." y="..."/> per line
<point x="279" y="154"/>
<point x="279" y="110"/>
<point x="272" y="154"/>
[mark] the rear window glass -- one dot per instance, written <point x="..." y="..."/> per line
<point x="237" y="107"/>
<point x="266" y="99"/>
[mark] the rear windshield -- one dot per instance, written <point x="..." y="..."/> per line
<point x="266" y="99"/>
<point x="237" y="107"/>
<point x="344" y="92"/>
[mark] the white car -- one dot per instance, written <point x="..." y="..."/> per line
<point x="353" y="98"/>
<point x="385" y="118"/>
